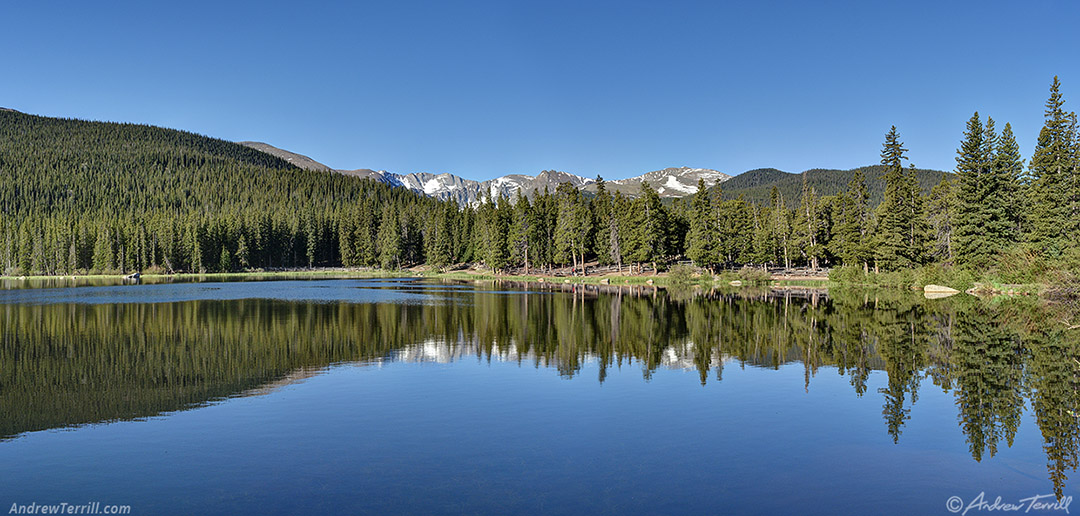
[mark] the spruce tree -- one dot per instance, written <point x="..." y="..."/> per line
<point x="974" y="245"/>
<point x="617" y="220"/>
<point x="389" y="238"/>
<point x="103" y="252"/>
<point x="852" y="219"/>
<point x="225" y="260"/>
<point x="1007" y="171"/>
<point x="601" y="216"/>
<point x="521" y="231"/>
<point x="701" y="240"/>
<point x="493" y="228"/>
<point x="900" y="236"/>
<point x="649" y="230"/>
<point x="346" y="239"/>
<point x="242" y="253"/>
<point x="917" y="233"/>
<point x="441" y="248"/>
<point x="735" y="231"/>
<point x="941" y="216"/>
<point x="721" y="244"/>
<point x="573" y="226"/>
<point x="1051" y="169"/>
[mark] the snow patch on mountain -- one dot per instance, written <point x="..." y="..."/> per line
<point x="674" y="184"/>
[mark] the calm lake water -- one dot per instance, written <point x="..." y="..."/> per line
<point x="409" y="397"/>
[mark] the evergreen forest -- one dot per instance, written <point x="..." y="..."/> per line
<point x="79" y="197"/>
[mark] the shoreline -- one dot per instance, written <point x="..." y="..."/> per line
<point x="665" y="279"/>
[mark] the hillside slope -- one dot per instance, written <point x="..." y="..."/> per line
<point x="755" y="185"/>
<point x="101" y="196"/>
<point x="295" y="159"/>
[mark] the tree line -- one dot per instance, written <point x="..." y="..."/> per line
<point x="85" y="197"/>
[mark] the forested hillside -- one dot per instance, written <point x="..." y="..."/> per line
<point x="755" y="186"/>
<point x="78" y="197"/>
<point x="81" y="196"/>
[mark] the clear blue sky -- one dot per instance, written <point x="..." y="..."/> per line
<point x="486" y="89"/>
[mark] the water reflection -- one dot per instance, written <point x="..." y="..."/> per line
<point x="70" y="364"/>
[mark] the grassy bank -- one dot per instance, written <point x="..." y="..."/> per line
<point x="1050" y="283"/>
<point x="677" y="276"/>
<point x="157" y="278"/>
<point x="1017" y="272"/>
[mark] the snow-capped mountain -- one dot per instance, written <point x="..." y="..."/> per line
<point x="443" y="186"/>
<point x="465" y="191"/>
<point x="549" y="179"/>
<point x="670" y="182"/>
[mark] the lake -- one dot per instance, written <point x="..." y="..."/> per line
<point x="420" y="397"/>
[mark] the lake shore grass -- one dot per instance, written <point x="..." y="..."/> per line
<point x="1056" y="283"/>
<point x="845" y="278"/>
<point x="211" y="275"/>
<point x="662" y="279"/>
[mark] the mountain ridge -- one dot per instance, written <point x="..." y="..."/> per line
<point x="755" y="186"/>
<point x="668" y="182"/>
<point x="671" y="183"/>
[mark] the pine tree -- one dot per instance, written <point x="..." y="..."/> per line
<point x="781" y="230"/>
<point x="701" y="240"/>
<point x="850" y="241"/>
<point x="311" y="238"/>
<point x="347" y="238"/>
<point x="493" y="229"/>
<point x="1008" y="170"/>
<point x="649" y="234"/>
<point x="103" y="252"/>
<point x="601" y="215"/>
<point x="521" y="231"/>
<point x="917" y="232"/>
<point x="195" y="243"/>
<point x="974" y="245"/>
<point x="1051" y="167"/>
<point x="389" y="238"/>
<point x="242" y="253"/>
<point x="941" y="214"/>
<point x="225" y="260"/>
<point x="573" y="227"/>
<point x="440" y="236"/>
<point x="616" y="222"/>
<point x="809" y="230"/>
<point x="900" y="232"/>
<point x="366" y="228"/>
<point x="735" y="231"/>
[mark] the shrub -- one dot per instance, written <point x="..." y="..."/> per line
<point x="847" y="275"/>
<point x="1020" y="264"/>
<point x="932" y="274"/>
<point x="682" y="274"/>
<point x="753" y="275"/>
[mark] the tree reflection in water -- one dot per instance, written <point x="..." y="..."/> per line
<point x="72" y="364"/>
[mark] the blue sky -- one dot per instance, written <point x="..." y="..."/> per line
<point x="486" y="89"/>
